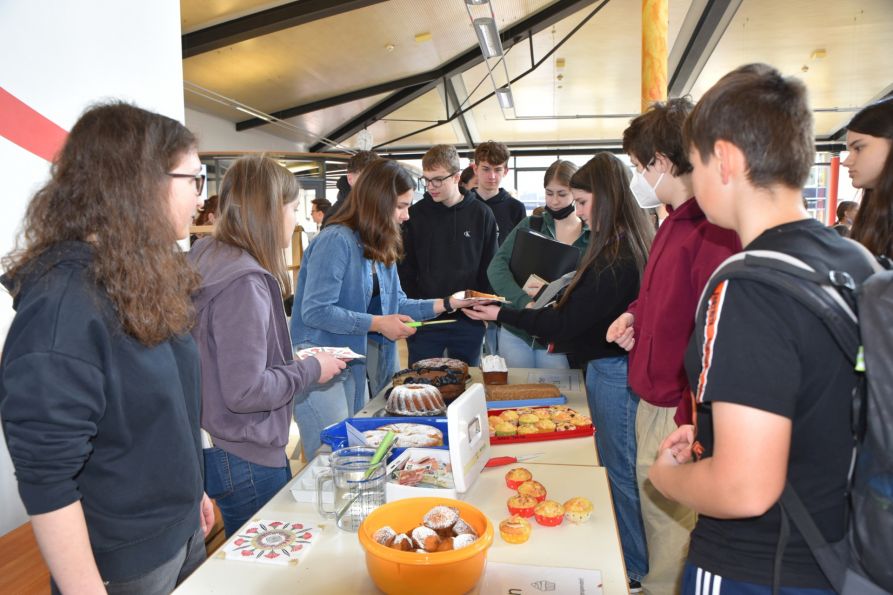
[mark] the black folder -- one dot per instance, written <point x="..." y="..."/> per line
<point x="536" y="254"/>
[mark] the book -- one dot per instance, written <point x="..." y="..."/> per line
<point x="270" y="542"/>
<point x="536" y="254"/>
<point x="550" y="293"/>
<point x="534" y="281"/>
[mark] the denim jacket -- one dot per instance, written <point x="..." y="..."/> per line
<point x="335" y="288"/>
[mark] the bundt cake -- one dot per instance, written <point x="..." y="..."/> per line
<point x="415" y="400"/>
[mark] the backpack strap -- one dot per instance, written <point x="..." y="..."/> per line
<point x="829" y="561"/>
<point x="830" y="295"/>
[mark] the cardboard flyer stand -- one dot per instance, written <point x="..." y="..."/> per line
<point x="469" y="449"/>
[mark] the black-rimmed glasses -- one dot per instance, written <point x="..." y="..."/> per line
<point x="435" y="182"/>
<point x="199" y="180"/>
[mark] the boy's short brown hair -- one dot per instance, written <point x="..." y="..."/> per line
<point x="492" y="152"/>
<point x="444" y="156"/>
<point x="360" y="160"/>
<point x="764" y="114"/>
<point x="659" y="130"/>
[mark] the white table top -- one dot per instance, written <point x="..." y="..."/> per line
<point x="336" y="563"/>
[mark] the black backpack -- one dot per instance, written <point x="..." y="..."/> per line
<point x="860" y="318"/>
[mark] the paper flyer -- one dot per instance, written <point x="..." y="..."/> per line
<point x="523" y="579"/>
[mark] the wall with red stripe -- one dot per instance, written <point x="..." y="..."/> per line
<point x="58" y="58"/>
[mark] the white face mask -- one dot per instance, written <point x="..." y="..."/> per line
<point x="643" y="191"/>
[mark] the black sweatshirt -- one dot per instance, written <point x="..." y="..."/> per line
<point x="508" y="210"/>
<point x="91" y="414"/>
<point x="578" y="328"/>
<point x="447" y="249"/>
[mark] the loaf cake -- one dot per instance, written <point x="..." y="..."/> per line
<point x="516" y="392"/>
<point x="415" y="400"/>
<point x="494" y="370"/>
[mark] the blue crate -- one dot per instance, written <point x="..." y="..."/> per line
<point x="336" y="434"/>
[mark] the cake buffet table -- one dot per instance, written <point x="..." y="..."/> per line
<point x="570" y="451"/>
<point x="336" y="563"/>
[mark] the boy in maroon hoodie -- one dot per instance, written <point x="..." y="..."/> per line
<point x="657" y="326"/>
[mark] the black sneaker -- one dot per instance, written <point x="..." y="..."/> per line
<point x="635" y="586"/>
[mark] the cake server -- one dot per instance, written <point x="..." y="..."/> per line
<point x="427" y="322"/>
<point x="499" y="461"/>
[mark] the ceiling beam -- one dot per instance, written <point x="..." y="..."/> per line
<point x="264" y="22"/>
<point x="453" y="98"/>
<point x="840" y="133"/>
<point x="362" y="120"/>
<point x="706" y="27"/>
<point x="512" y="35"/>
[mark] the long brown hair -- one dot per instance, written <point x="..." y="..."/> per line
<point x="370" y="210"/>
<point x="252" y="194"/>
<point x="873" y="225"/>
<point x="108" y="186"/>
<point x="615" y="218"/>
<point x="561" y="171"/>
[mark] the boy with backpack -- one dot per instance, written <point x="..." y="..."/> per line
<point x="773" y="389"/>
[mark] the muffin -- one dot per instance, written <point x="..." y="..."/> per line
<point x="534" y="489"/>
<point x="545" y="425"/>
<point x="577" y="510"/>
<point x="494" y="419"/>
<point x="565" y="426"/>
<point x="516" y="477"/>
<point x="463" y="540"/>
<point x="543" y="412"/>
<point x="509" y="415"/>
<point x="521" y="505"/>
<point x="505" y="429"/>
<point x="528" y="418"/>
<point x="425" y="538"/>
<point x="441" y="519"/>
<point x="514" y="530"/>
<point x="463" y="528"/>
<point x="403" y="542"/>
<point x="560" y="415"/>
<point x="527" y="429"/>
<point x="581" y="420"/>
<point x="549" y="513"/>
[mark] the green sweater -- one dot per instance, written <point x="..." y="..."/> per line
<point x="502" y="280"/>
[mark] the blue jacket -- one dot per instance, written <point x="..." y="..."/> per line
<point x="335" y="288"/>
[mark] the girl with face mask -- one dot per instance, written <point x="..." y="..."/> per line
<point x="559" y="221"/>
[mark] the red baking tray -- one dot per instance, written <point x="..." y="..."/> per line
<point x="580" y="432"/>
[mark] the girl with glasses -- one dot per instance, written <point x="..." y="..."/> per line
<point x="100" y="387"/>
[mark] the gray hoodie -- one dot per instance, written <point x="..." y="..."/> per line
<point x="249" y="375"/>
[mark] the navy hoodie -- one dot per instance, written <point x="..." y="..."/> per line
<point x="447" y="249"/>
<point x="91" y="414"/>
<point x="508" y="211"/>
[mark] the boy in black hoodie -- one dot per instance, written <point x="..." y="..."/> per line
<point x="491" y="165"/>
<point x="448" y="243"/>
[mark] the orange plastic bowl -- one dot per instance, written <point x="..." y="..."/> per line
<point x="410" y="573"/>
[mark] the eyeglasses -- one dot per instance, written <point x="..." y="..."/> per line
<point x="199" y="180"/>
<point x="435" y="182"/>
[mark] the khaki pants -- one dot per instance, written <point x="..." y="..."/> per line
<point x="668" y="524"/>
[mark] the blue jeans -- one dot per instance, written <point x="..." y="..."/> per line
<point x="461" y="340"/>
<point x="696" y="581"/>
<point x="240" y="487"/>
<point x="323" y="406"/>
<point x="519" y="354"/>
<point x="163" y="579"/>
<point x="613" y="406"/>
<point x="491" y="338"/>
<point x="381" y="363"/>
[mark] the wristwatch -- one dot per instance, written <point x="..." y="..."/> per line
<point x="446" y="305"/>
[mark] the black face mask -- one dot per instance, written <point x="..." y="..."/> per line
<point x="561" y="213"/>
